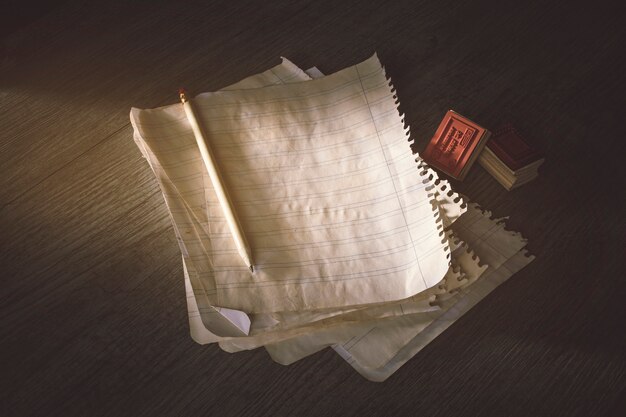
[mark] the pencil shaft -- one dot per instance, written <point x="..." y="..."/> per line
<point x="218" y="185"/>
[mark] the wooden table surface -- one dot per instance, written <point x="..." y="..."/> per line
<point x="92" y="304"/>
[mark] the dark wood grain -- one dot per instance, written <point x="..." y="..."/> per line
<point x="92" y="304"/>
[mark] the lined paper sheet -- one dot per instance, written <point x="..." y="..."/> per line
<point x="448" y="202"/>
<point x="325" y="187"/>
<point x="375" y="338"/>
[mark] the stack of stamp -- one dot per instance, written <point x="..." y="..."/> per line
<point x="456" y="145"/>
<point x="510" y="158"/>
<point x="505" y="154"/>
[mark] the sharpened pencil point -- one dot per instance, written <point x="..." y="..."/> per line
<point x="251" y="268"/>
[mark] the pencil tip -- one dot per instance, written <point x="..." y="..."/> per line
<point x="251" y="268"/>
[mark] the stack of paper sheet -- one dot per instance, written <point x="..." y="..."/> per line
<point x="358" y="245"/>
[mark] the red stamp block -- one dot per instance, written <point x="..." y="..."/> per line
<point x="456" y="145"/>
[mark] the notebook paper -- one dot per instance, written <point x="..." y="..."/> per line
<point x="325" y="186"/>
<point x="201" y="319"/>
<point x="376" y="338"/>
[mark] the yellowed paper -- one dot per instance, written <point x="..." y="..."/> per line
<point x="375" y="337"/>
<point x="325" y="186"/>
